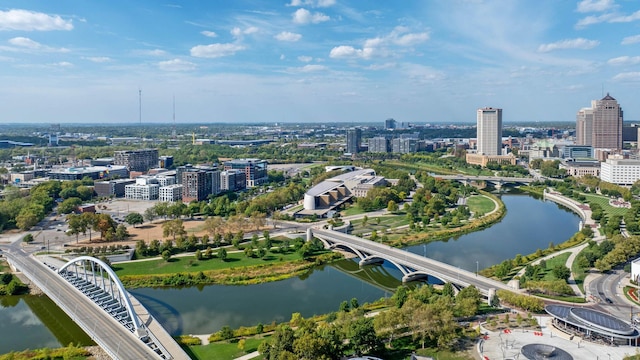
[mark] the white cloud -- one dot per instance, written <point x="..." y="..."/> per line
<point x="176" y="65"/>
<point x="609" y="18"/>
<point x="631" y="40"/>
<point x="381" y="66"/>
<point x="98" y="59"/>
<point x="307" y="68"/>
<point x="304" y="16"/>
<point x="628" y="76"/>
<point x="215" y="50"/>
<point x="579" y="43"/>
<point x="288" y="36"/>
<point x="154" y="52"/>
<point x="26" y="20"/>
<point x="624" y="60"/>
<point x="312" y="3"/>
<point x="349" y="52"/>
<point x="585" y="6"/>
<point x="210" y="34"/>
<point x="282" y="57"/>
<point x="237" y="32"/>
<point x="27" y="44"/>
<point x="305" y="58"/>
<point x="62" y="64"/>
<point x="377" y="47"/>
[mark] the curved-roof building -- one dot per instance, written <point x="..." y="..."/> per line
<point x="593" y="325"/>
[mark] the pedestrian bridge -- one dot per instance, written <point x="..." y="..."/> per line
<point x="412" y="266"/>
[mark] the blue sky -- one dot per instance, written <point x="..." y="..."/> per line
<point x="418" y="61"/>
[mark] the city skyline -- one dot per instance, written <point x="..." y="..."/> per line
<point x="315" y="60"/>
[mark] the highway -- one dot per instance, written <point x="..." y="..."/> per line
<point x="444" y="272"/>
<point x="115" y="339"/>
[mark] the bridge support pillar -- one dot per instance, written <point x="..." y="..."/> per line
<point x="491" y="295"/>
<point x="309" y="234"/>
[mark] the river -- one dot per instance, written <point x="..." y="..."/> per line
<point x="528" y="225"/>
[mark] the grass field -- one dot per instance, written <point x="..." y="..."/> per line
<point x="190" y="264"/>
<point x="353" y="210"/>
<point x="552" y="263"/>
<point x="480" y="204"/>
<point x="386" y="222"/>
<point x="224" y="350"/>
<point x="604" y="202"/>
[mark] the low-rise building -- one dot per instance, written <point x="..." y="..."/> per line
<point x="144" y="189"/>
<point x="619" y="171"/>
<point x="580" y="168"/>
<point x="94" y="172"/>
<point x="170" y="193"/>
<point x="483" y="160"/>
<point x="113" y="188"/>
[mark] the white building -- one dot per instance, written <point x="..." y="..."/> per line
<point x="635" y="270"/>
<point x="170" y="193"/>
<point x="145" y="188"/>
<point x="617" y="170"/>
<point x="489" y="129"/>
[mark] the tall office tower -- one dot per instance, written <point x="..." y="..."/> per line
<point x="607" y="124"/>
<point x="584" y="126"/>
<point x="354" y="137"/>
<point x="389" y="124"/>
<point x="378" y="144"/>
<point x="489" y="131"/>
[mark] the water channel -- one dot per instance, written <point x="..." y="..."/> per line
<point x="529" y="224"/>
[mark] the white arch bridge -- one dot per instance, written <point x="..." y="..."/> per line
<point x="91" y="294"/>
<point x="412" y="266"/>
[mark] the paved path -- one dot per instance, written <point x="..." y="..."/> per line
<point x="501" y="345"/>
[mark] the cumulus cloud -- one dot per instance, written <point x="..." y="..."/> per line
<point x="288" y="36"/>
<point x="305" y="58"/>
<point x="631" y="40"/>
<point x="585" y="6"/>
<point x="399" y="36"/>
<point x="215" y="50"/>
<point x="312" y="3"/>
<point x="624" y="60"/>
<point x="25" y="20"/>
<point x="97" y="59"/>
<point x="579" y="43"/>
<point x="307" y="68"/>
<point x="304" y="16"/>
<point x="210" y="34"/>
<point x="628" y="76"/>
<point x="176" y="65"/>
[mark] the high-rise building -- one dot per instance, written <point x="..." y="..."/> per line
<point x="354" y="138"/>
<point x="607" y="124"/>
<point x="198" y="181"/>
<point x="378" y="144"/>
<point x="390" y="124"/>
<point x="137" y="160"/>
<point x="404" y="145"/>
<point x="232" y="180"/>
<point x="601" y="125"/>
<point x="489" y="131"/>
<point x="584" y="126"/>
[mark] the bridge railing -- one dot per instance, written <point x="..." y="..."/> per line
<point x="27" y="271"/>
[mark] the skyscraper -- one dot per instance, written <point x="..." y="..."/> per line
<point x="584" y="126"/>
<point x="354" y="137"/>
<point x="606" y="124"/>
<point x="489" y="131"/>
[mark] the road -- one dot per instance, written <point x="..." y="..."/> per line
<point x="610" y="286"/>
<point x="105" y="330"/>
<point x="438" y="269"/>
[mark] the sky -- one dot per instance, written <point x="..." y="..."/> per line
<point x="320" y="61"/>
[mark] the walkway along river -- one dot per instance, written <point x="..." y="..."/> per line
<point x="528" y="225"/>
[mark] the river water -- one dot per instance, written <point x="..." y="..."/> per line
<point x="528" y="225"/>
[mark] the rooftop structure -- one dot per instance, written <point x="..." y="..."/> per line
<point x="94" y="172"/>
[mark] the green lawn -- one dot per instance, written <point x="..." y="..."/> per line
<point x="190" y="264"/>
<point x="224" y="350"/>
<point x="579" y="273"/>
<point x="386" y="222"/>
<point x="480" y="204"/>
<point x="552" y="263"/>
<point x="353" y="210"/>
<point x="604" y="202"/>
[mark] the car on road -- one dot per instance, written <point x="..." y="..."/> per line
<point x="608" y="301"/>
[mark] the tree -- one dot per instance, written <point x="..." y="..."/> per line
<point x="222" y="254"/>
<point x="389" y="324"/>
<point x="226" y="333"/>
<point x="198" y="255"/>
<point x="166" y="255"/>
<point x="241" y="344"/>
<point x="562" y="272"/>
<point x="134" y="219"/>
<point x="69" y="205"/>
<point x="121" y="232"/>
<point x="150" y="214"/>
<point x="354" y="303"/>
<point x="362" y="336"/>
<point x="27" y="238"/>
<point x="392" y="206"/>
<point x="173" y="228"/>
